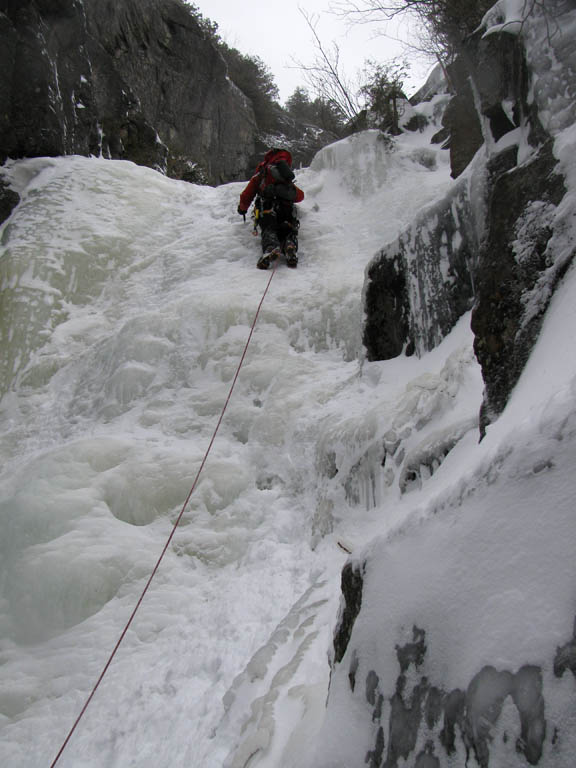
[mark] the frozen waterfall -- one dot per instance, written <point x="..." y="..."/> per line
<point x="127" y="298"/>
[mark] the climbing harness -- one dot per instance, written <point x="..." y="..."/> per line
<point x="174" y="527"/>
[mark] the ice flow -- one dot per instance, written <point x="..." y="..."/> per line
<point x="127" y="299"/>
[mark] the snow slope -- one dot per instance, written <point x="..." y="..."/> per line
<point x="483" y="562"/>
<point x="127" y="299"/>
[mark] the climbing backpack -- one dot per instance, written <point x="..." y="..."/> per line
<point x="276" y="176"/>
<point x="281" y="172"/>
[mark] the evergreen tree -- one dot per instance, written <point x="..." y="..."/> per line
<point x="256" y="81"/>
<point x="319" y="112"/>
<point x="249" y="73"/>
<point x="329" y="116"/>
<point x="300" y="107"/>
<point x="383" y="91"/>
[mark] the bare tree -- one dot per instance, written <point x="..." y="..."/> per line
<point x="325" y="76"/>
<point x="441" y="26"/>
<point x="369" y="11"/>
<point x="443" y="23"/>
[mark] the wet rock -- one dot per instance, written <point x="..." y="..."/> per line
<point x="461" y="120"/>
<point x="420" y="284"/>
<point x="179" y="80"/>
<point x="8" y="200"/>
<point x="129" y="79"/>
<point x="492" y="82"/>
<point x="46" y="98"/>
<point x="352" y="583"/>
<point x="517" y="273"/>
<point x="387" y="308"/>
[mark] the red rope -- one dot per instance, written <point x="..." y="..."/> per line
<point x="172" y="532"/>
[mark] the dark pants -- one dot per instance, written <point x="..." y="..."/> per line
<point x="279" y="226"/>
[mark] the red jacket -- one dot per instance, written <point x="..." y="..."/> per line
<point x="257" y="183"/>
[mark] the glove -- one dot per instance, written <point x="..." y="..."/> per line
<point x="241" y="211"/>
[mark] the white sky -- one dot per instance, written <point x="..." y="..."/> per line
<point x="277" y="33"/>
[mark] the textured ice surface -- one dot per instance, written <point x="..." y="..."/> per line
<point x="127" y="299"/>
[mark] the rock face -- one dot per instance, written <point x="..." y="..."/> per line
<point x="352" y="594"/>
<point x="138" y="80"/>
<point x="46" y="99"/>
<point x="495" y="244"/>
<point x="8" y="200"/>
<point x="517" y="273"/>
<point x="126" y="79"/>
<point x="180" y="81"/>
<point x="490" y="244"/>
<point x="419" y="285"/>
<point x="303" y="140"/>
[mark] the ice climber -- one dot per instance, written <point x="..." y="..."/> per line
<point x="273" y="187"/>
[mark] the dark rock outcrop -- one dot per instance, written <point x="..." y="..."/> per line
<point x="461" y="121"/>
<point x="387" y="307"/>
<point x="8" y="200"/>
<point x="129" y="79"/>
<point x="491" y="81"/>
<point x="419" y="285"/>
<point x="352" y="582"/>
<point x="139" y="80"/>
<point x="46" y="98"/>
<point x="516" y="275"/>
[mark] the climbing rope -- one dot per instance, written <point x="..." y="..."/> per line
<point x="172" y="532"/>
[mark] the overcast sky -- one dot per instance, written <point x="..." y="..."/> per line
<point x="277" y="33"/>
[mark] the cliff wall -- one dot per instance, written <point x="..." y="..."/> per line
<point x="491" y="244"/>
<point x="129" y="80"/>
<point x="422" y="662"/>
